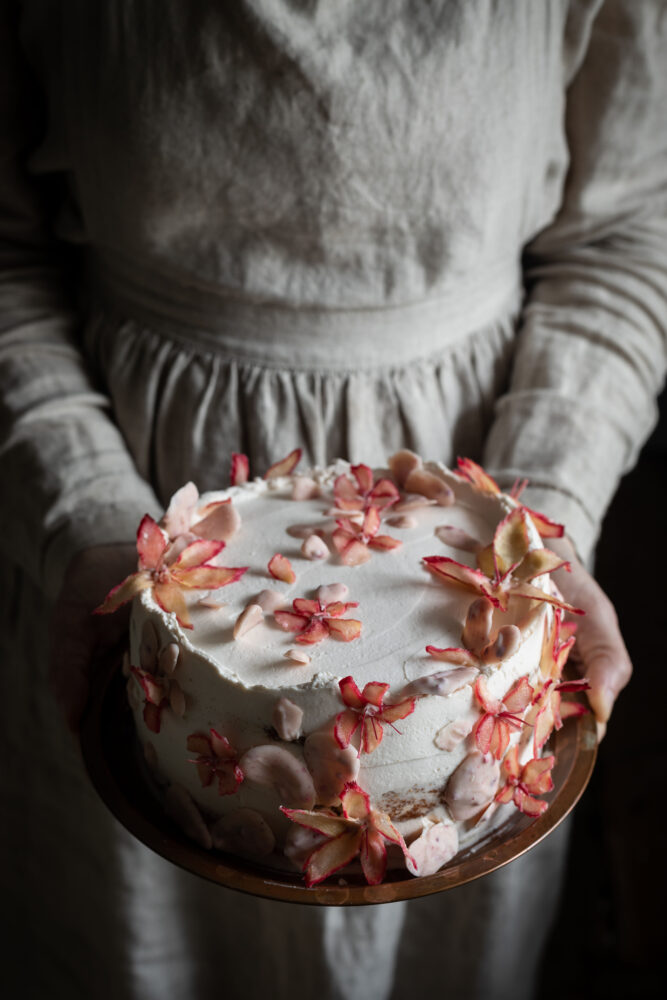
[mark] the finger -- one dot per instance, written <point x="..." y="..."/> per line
<point x="607" y="670"/>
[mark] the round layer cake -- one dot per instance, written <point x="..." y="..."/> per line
<point x="353" y="683"/>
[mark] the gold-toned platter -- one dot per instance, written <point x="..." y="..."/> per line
<point x="111" y="752"/>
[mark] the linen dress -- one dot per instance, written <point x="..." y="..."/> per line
<point x="351" y="227"/>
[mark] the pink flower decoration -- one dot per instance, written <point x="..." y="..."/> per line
<point x="367" y="712"/>
<point x="155" y="695"/>
<point x="354" y="541"/>
<point x="191" y="570"/>
<point x="523" y="783"/>
<point x="360" y="831"/>
<point x="505" y="567"/>
<point x="492" y="729"/>
<point x="216" y="759"/>
<point x="315" y="621"/>
<point x="365" y="492"/>
<point x="240" y="471"/>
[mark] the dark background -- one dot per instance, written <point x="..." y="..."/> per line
<point x="610" y="936"/>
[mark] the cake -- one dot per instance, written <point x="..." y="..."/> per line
<point x="349" y="666"/>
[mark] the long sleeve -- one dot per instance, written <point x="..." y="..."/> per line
<point x="67" y="478"/>
<point x="590" y="353"/>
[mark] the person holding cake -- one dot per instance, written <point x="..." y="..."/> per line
<point x="356" y="229"/>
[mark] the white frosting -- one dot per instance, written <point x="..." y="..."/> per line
<point x="232" y="685"/>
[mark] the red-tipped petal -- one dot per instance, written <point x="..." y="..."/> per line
<point x="400" y="710"/>
<point x="221" y="746"/>
<point x="371" y="522"/>
<point x="343" y="629"/>
<point x="151" y="543"/>
<point x="539" y="561"/>
<point x="510" y="541"/>
<point x="323" y="822"/>
<point x="280" y="568"/>
<point x="476" y="475"/>
<point x="170" y="598"/>
<point x="355" y="801"/>
<point x="385" y="542"/>
<point x="384" y="494"/>
<point x="351" y="694"/>
<point x="373" y="856"/>
<point x="536" y="775"/>
<point x="483" y="696"/>
<point x="346" y="725"/>
<point x="346" y="495"/>
<point x="532" y="593"/>
<point x="511" y="763"/>
<point x="240" y="469"/>
<point x="451" y="571"/>
<point x="285" y="467"/>
<point x="352" y="552"/>
<point x="483" y="732"/>
<point x="527" y="804"/>
<point x="519" y="697"/>
<point x="289" y="621"/>
<point x="124" y="592"/>
<point x="303" y="606"/>
<point x="197" y="553"/>
<point x="371" y="733"/>
<point x="315" y="632"/>
<point x="207" y="577"/>
<point x="545" y="527"/>
<point x="364" y="476"/>
<point x="374" y="692"/>
<point x="332" y="856"/>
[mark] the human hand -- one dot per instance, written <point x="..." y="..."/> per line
<point x="77" y="636"/>
<point x="599" y="651"/>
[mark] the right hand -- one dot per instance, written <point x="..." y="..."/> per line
<point x="77" y="636"/>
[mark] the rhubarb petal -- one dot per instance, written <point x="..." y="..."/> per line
<point x="280" y="568"/>
<point x="170" y="598"/>
<point x="356" y="803"/>
<point x="324" y="822"/>
<point x="285" y="467"/>
<point x="218" y="521"/>
<point x="476" y="475"/>
<point x="315" y="632"/>
<point x="151" y="543"/>
<point x="343" y="629"/>
<point x="373" y="856"/>
<point x="332" y="856"/>
<point x="240" y="469"/>
<point x="124" y="592"/>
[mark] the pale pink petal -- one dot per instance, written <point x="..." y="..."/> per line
<point x="434" y="848"/>
<point x="287" y="719"/>
<point x="373" y="856"/>
<point x="177" y="517"/>
<point x="218" y="521"/>
<point x="276" y="767"/>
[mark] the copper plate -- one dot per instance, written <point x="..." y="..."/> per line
<point x="110" y="749"/>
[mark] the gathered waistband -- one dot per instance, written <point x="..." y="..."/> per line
<point x="304" y="336"/>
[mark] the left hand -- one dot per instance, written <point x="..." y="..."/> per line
<point x="600" y="650"/>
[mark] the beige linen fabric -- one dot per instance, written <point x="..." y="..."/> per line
<point x="352" y="226"/>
